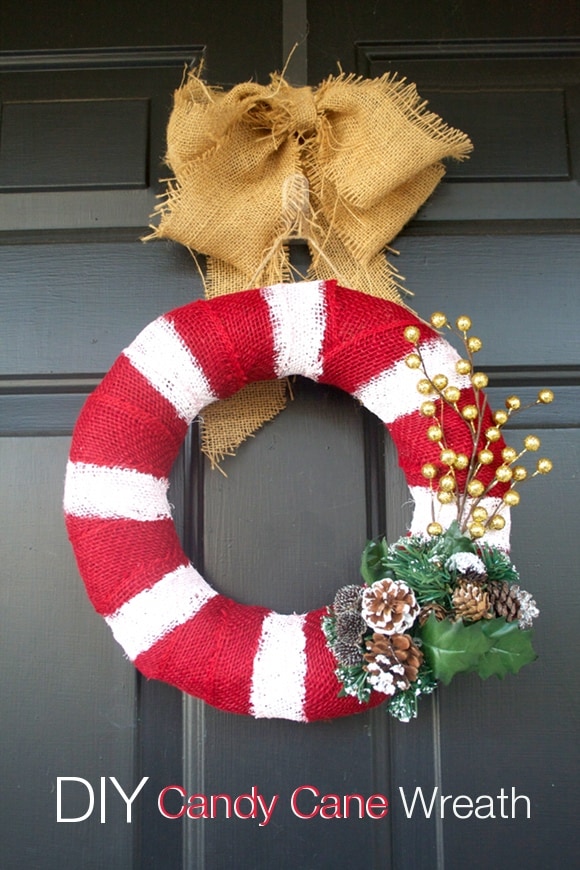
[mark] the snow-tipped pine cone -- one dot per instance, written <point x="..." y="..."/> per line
<point x="470" y="601"/>
<point x="389" y="606"/>
<point x="392" y="663"/>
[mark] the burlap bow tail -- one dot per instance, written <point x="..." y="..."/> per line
<point x="343" y="166"/>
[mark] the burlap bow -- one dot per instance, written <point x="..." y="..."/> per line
<point x="343" y="166"/>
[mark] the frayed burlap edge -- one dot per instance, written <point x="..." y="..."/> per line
<point x="342" y="167"/>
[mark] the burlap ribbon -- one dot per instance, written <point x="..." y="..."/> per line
<point x="343" y="166"/>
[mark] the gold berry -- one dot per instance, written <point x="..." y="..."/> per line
<point x="497" y="522"/>
<point x="412" y="334"/>
<point x="513" y="403"/>
<point x="508" y="454"/>
<point x="532" y="442"/>
<point x="475" y="488"/>
<point x="461" y="461"/>
<point x="429" y="471"/>
<point x="428" y="409"/>
<point x="545" y="397"/>
<point x="470" y="412"/>
<point x="448" y="456"/>
<point x="520" y="473"/>
<point x="438" y="319"/>
<point x="462" y="366"/>
<point x="439" y="381"/>
<point x="503" y="473"/>
<point x="474" y="344"/>
<point x="452" y="394"/>
<point x="447" y="483"/>
<point x="413" y="360"/>
<point x="479" y="514"/>
<point x="511" y="498"/>
<point x="463" y="323"/>
<point x="479" y="380"/>
<point x="477" y="530"/>
<point x="485" y="456"/>
<point x="492" y="434"/>
<point x="424" y="386"/>
<point x="434" y="433"/>
<point x="500" y="416"/>
<point x="434" y="529"/>
<point x="544" y="466"/>
<point x="445" y="497"/>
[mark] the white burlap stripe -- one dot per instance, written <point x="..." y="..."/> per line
<point x="278" y="679"/>
<point x="154" y="612"/>
<point x="114" y="493"/>
<point x="428" y="508"/>
<point x="161" y="355"/>
<point x="298" y="317"/>
<point x="393" y="393"/>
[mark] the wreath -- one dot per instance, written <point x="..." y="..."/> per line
<point x="441" y="600"/>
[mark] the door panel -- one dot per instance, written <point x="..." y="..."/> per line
<point x="68" y="697"/>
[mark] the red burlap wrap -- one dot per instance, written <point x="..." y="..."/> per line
<point x="172" y="624"/>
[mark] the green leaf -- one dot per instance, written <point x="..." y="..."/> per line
<point x="452" y="647"/>
<point x="510" y="649"/>
<point x="453" y="540"/>
<point x="372" y="566"/>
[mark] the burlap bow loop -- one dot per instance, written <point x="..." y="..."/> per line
<point x="370" y="152"/>
<point x="343" y="166"/>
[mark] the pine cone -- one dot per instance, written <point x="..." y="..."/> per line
<point x="528" y="609"/>
<point x="503" y="599"/>
<point x="467" y="566"/>
<point x="472" y="575"/>
<point x="470" y="602"/>
<point x="347" y="653"/>
<point x="436" y="609"/>
<point x="348" y="598"/>
<point x="389" y="606"/>
<point x="350" y="627"/>
<point x="396" y="655"/>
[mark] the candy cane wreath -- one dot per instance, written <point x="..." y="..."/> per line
<point x="170" y="622"/>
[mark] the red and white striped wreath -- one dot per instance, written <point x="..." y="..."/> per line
<point x="168" y="619"/>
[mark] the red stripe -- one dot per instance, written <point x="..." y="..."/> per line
<point x="322" y="686"/>
<point x="119" y="558"/>
<point x="364" y="336"/>
<point x="414" y="449"/>
<point x="142" y="432"/>
<point x="231" y="337"/>
<point x="212" y="655"/>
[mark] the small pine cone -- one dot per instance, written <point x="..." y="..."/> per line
<point x="470" y="602"/>
<point x="347" y="653"/>
<point x="437" y="610"/>
<point x="467" y="566"/>
<point x="348" y="598"/>
<point x="472" y="575"/>
<point x="389" y="606"/>
<point x="397" y="654"/>
<point x="350" y="627"/>
<point x="528" y="609"/>
<point x="503" y="599"/>
<point x="408" y="654"/>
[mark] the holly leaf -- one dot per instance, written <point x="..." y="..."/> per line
<point x="452" y="647"/>
<point x="372" y="562"/>
<point x="510" y="649"/>
<point x="452" y="541"/>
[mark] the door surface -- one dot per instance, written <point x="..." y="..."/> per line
<point x="85" y="94"/>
